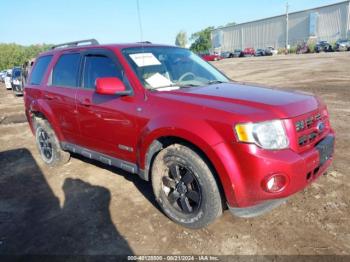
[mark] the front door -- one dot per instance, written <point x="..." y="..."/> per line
<point x="107" y="122"/>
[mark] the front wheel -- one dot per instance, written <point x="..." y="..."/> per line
<point x="185" y="187"/>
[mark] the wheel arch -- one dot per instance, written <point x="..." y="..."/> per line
<point x="42" y="110"/>
<point x="164" y="141"/>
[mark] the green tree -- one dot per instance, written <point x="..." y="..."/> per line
<point x="231" y="24"/>
<point x="181" y="39"/>
<point x="201" y="40"/>
<point x="15" y="55"/>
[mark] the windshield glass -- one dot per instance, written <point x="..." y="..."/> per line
<point x="16" y="74"/>
<point x="161" y="67"/>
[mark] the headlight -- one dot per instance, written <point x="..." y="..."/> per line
<point x="268" y="135"/>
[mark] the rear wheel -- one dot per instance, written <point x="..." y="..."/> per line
<point x="185" y="187"/>
<point x="48" y="145"/>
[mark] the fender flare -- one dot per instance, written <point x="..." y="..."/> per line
<point x="42" y="108"/>
<point x="195" y="131"/>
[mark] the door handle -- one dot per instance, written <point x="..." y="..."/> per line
<point x="86" y="102"/>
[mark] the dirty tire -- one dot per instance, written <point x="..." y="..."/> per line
<point x="203" y="204"/>
<point x="57" y="157"/>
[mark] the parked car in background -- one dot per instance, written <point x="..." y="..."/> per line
<point x="26" y="68"/>
<point x="16" y="81"/>
<point x="7" y="79"/>
<point x="210" y="57"/>
<point x="323" y="46"/>
<point x="238" y="53"/>
<point x="303" y="48"/>
<point x="2" y="76"/>
<point x="249" y="51"/>
<point x="269" y="51"/>
<point x="342" y="45"/>
<point x="260" y="52"/>
<point x="226" y="54"/>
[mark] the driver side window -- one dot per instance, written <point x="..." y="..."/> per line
<point x="96" y="66"/>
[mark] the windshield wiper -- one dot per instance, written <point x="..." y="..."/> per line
<point x="188" y="85"/>
<point x="175" y="85"/>
<point x="159" y="87"/>
<point x="212" y="82"/>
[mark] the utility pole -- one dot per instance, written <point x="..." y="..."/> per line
<point x="287" y="26"/>
<point x="348" y="24"/>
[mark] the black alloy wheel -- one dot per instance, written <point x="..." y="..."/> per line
<point x="182" y="189"/>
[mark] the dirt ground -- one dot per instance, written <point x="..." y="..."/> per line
<point x="88" y="208"/>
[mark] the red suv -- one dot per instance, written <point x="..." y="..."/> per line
<point x="210" y="57"/>
<point x="204" y="142"/>
<point x="249" y="52"/>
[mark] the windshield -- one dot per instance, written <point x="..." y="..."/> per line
<point x="16" y="73"/>
<point x="162" y="67"/>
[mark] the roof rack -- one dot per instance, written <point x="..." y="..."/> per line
<point x="76" y="43"/>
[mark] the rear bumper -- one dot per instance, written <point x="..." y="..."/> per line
<point x="246" y="166"/>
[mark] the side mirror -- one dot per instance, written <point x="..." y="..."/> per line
<point x="111" y="86"/>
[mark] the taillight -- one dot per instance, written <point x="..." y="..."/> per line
<point x="274" y="183"/>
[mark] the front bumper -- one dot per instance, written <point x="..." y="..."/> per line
<point x="246" y="166"/>
<point x="257" y="210"/>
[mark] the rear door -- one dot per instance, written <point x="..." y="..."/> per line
<point x="107" y="122"/>
<point x="61" y="91"/>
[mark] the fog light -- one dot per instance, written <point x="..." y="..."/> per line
<point x="274" y="183"/>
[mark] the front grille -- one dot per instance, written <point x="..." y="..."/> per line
<point x="307" y="123"/>
<point x="310" y="128"/>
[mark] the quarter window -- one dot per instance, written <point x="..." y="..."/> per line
<point x="97" y="66"/>
<point x="65" y="72"/>
<point x="40" y="69"/>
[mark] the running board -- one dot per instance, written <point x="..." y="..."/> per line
<point x="108" y="160"/>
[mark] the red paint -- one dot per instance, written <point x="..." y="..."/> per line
<point x="109" y="86"/>
<point x="249" y="51"/>
<point x="211" y="57"/>
<point x="204" y="116"/>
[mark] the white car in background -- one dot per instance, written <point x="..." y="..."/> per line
<point x="7" y="79"/>
<point x="271" y="51"/>
<point x="2" y="75"/>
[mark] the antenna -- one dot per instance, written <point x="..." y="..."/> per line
<point x="287" y="26"/>
<point x="139" y="18"/>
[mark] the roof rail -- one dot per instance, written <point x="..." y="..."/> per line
<point x="145" y="42"/>
<point x="76" y="43"/>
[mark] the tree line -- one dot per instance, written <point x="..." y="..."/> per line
<point x="12" y="55"/>
<point x="201" y="40"/>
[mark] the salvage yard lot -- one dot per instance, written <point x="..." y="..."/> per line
<point x="88" y="208"/>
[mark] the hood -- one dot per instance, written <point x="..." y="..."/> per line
<point x="241" y="99"/>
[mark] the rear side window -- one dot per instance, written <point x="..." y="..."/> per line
<point x="99" y="66"/>
<point x="65" y="72"/>
<point x="39" y="69"/>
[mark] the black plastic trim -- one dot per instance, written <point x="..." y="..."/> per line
<point x="116" y="162"/>
<point x="260" y="209"/>
<point x="76" y="43"/>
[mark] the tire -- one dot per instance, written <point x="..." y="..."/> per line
<point x="48" y="144"/>
<point x="185" y="187"/>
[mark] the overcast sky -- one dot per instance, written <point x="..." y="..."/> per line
<point x="111" y="21"/>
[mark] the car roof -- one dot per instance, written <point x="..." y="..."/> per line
<point x="108" y="46"/>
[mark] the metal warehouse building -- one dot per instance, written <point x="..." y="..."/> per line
<point x="329" y="23"/>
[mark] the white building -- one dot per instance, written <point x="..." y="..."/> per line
<point x="329" y="23"/>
